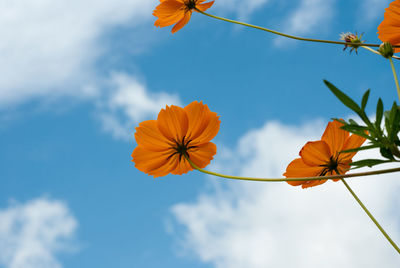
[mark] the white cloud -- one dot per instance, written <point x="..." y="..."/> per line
<point x="249" y="224"/>
<point x="309" y="17"/>
<point x="48" y="47"/>
<point x="32" y="233"/>
<point x="128" y="102"/>
<point x="243" y="9"/>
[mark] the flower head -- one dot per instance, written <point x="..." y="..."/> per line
<point x="324" y="157"/>
<point x="178" y="133"/>
<point x="389" y="29"/>
<point x="177" y="12"/>
<point x="354" y="40"/>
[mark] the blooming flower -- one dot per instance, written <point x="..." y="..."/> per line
<point x="178" y="133"/>
<point x="389" y="29"/>
<point x="177" y="12"/>
<point x="324" y="157"/>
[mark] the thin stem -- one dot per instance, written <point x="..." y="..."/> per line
<point x="331" y="177"/>
<point x="371" y="217"/>
<point x="395" y="77"/>
<point x="372" y="50"/>
<point x="283" y="34"/>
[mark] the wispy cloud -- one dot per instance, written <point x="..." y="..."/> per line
<point x="32" y="233"/>
<point x="49" y="48"/>
<point x="128" y="102"/>
<point x="277" y="225"/>
<point x="310" y="16"/>
<point x="243" y="8"/>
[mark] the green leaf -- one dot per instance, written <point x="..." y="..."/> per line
<point x="386" y="153"/>
<point x="369" y="162"/>
<point x="352" y="122"/>
<point x="361" y="148"/>
<point x="365" y="99"/>
<point x="379" y="114"/>
<point x="391" y="125"/>
<point x="346" y="100"/>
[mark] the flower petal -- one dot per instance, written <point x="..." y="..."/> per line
<point x="148" y="136"/>
<point x="173" y="123"/>
<point x="297" y="169"/>
<point x="202" y="155"/>
<point x="182" y="22"/>
<point x="203" y="7"/>
<point x="388" y="30"/>
<point x="353" y="142"/>
<point x="315" y="153"/>
<point x="203" y="124"/>
<point x="150" y="162"/>
<point x="169" y="12"/>
<point x="335" y="137"/>
<point x="183" y="166"/>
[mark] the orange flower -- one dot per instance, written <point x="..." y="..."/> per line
<point x="389" y="29"/>
<point x="164" y="144"/>
<point x="323" y="157"/>
<point x="177" y="12"/>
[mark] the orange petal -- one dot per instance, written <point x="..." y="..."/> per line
<point x="354" y="141"/>
<point x="173" y="123"/>
<point x="182" y="167"/>
<point x="168" y="7"/>
<point x="203" y="124"/>
<point x="172" y="19"/>
<point x="167" y="168"/>
<point x="169" y="12"/>
<point x="148" y="161"/>
<point x="203" y="155"/>
<point x="148" y="136"/>
<point x="182" y="22"/>
<point x="205" y="6"/>
<point x="335" y="137"/>
<point x="297" y="169"/>
<point x="312" y="183"/>
<point x="315" y="153"/>
<point x="388" y="30"/>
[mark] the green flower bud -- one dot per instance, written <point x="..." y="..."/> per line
<point x="386" y="50"/>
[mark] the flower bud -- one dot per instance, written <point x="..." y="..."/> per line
<point x="386" y="50"/>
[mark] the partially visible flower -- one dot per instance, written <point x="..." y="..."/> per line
<point x="324" y="157"/>
<point x="389" y="29"/>
<point x="354" y="40"/>
<point x="177" y="12"/>
<point x="178" y="133"/>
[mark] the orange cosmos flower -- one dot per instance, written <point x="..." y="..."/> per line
<point x="164" y="144"/>
<point x="389" y="29"/>
<point x="323" y="157"/>
<point x="177" y="12"/>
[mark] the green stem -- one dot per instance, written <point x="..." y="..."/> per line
<point x="395" y="77"/>
<point x="372" y="50"/>
<point x="377" y="52"/>
<point x="282" y="34"/>
<point x="371" y="217"/>
<point x="359" y="174"/>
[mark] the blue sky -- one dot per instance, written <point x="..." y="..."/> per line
<point x="78" y="77"/>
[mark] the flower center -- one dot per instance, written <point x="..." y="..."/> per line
<point x="190" y="4"/>
<point x="181" y="148"/>
<point x="332" y="165"/>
